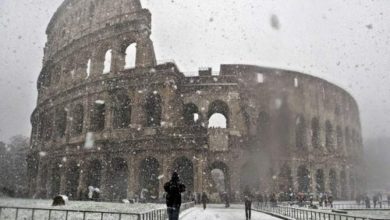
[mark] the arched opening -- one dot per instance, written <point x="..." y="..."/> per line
<point x="303" y="179"/>
<point x="107" y="62"/>
<point x="217" y="120"/>
<point x="329" y="142"/>
<point x="131" y="52"/>
<point x="285" y="179"/>
<point x="61" y="116"/>
<point x="219" y="172"/>
<point x="78" y="119"/>
<point x="98" y="116"/>
<point x="339" y="137"/>
<point x="122" y="111"/>
<point x="153" y="110"/>
<point x="300" y="129"/>
<point x="88" y="70"/>
<point x="333" y="182"/>
<point x="94" y="174"/>
<point x="263" y="129"/>
<point x="191" y="114"/>
<point x="72" y="179"/>
<point x="343" y="184"/>
<point x="148" y="177"/>
<point x="320" y="187"/>
<point x="315" y="133"/>
<point x="55" y="179"/>
<point x="218" y="114"/>
<point x="185" y="169"/>
<point x="118" y="179"/>
<point x="250" y="179"/>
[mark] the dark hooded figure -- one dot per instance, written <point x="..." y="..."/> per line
<point x="174" y="188"/>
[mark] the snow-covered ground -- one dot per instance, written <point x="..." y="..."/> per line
<point x="219" y="212"/>
<point x="72" y="205"/>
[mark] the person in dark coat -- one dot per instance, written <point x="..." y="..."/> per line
<point x="174" y="188"/>
<point x="248" y="207"/>
<point x="205" y="200"/>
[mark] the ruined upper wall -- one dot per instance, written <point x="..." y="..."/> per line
<point x="76" y="19"/>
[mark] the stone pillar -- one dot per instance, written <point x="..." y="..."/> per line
<point x="63" y="180"/>
<point x="145" y="56"/>
<point x="105" y="191"/>
<point x="82" y="186"/>
<point x="118" y="57"/>
<point x="133" y="167"/>
<point x="97" y="63"/>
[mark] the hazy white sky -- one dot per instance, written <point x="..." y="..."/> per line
<point x="345" y="42"/>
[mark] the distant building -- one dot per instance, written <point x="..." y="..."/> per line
<point x="109" y="116"/>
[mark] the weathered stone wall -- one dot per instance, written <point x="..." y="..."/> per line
<point x="284" y="129"/>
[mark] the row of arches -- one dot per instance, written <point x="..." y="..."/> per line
<point x="104" y="61"/>
<point x="337" y="182"/>
<point x="73" y="119"/>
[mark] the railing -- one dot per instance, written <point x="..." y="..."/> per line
<point x="362" y="205"/>
<point x="19" y="213"/>
<point x="307" y="214"/>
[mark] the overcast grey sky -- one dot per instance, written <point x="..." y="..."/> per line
<point x="345" y="42"/>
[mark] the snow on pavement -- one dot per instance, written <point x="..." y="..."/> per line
<point x="219" y="212"/>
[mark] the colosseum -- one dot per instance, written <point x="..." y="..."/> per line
<point x="109" y="116"/>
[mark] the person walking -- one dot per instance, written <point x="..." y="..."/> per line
<point x="205" y="200"/>
<point x="248" y="207"/>
<point x="174" y="188"/>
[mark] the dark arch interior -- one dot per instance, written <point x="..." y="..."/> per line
<point x="94" y="173"/>
<point x="72" y="179"/>
<point x="148" y="176"/>
<point x="303" y="179"/>
<point x="122" y="110"/>
<point x="184" y="168"/>
<point x="153" y="110"/>
<point x="189" y="114"/>
<point x="226" y="175"/>
<point x="118" y="179"/>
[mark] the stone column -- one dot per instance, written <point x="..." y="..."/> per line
<point x="133" y="168"/>
<point x="145" y="56"/>
<point x="118" y="57"/>
<point x="82" y="186"/>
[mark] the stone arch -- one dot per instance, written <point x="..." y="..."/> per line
<point x="122" y="110"/>
<point x="333" y="182"/>
<point x="300" y="132"/>
<point x="78" y="119"/>
<point x="191" y="114"/>
<point x="94" y="173"/>
<point x="263" y="129"/>
<point x="61" y="122"/>
<point x="153" y="109"/>
<point x="184" y="167"/>
<point x="315" y="132"/>
<point x="249" y="178"/>
<point x="98" y="116"/>
<point x="72" y="176"/>
<point x="221" y="184"/>
<point x="118" y="174"/>
<point x="219" y="108"/>
<point x="303" y="179"/>
<point x="149" y="175"/>
<point x="55" y="183"/>
<point x="285" y="179"/>
<point x="329" y="140"/>
<point x="320" y="181"/>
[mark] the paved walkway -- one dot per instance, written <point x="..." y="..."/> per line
<point x="219" y="212"/>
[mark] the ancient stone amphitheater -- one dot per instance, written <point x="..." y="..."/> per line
<point x="109" y="116"/>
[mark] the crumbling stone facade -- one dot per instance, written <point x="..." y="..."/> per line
<point x="100" y="121"/>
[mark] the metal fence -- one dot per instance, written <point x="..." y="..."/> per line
<point x="362" y="205"/>
<point x="307" y="214"/>
<point x="23" y="213"/>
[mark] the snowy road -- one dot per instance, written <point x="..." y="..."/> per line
<point x="218" y="212"/>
